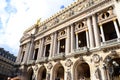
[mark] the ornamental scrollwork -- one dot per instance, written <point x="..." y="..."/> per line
<point x="68" y="63"/>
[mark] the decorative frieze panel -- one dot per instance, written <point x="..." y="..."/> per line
<point x="106" y="15"/>
<point x="48" y="39"/>
<point x="62" y="34"/>
<point x="76" y="7"/>
<point x="80" y="26"/>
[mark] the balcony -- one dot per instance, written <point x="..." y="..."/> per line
<point x="110" y="43"/>
<point x="81" y="50"/>
<point x="58" y="56"/>
<point x="42" y="59"/>
<point x="30" y="62"/>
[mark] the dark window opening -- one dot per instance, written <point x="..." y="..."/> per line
<point x="47" y="51"/>
<point x="36" y="53"/>
<point x="44" y="74"/>
<point x="62" y="46"/>
<point x="82" y="39"/>
<point x="22" y="56"/>
<point x="109" y="31"/>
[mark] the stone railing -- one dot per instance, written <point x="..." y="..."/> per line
<point x="30" y="62"/>
<point x="111" y="42"/>
<point x="80" y="50"/>
<point x="42" y="59"/>
<point x="59" y="56"/>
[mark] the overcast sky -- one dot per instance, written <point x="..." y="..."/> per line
<point x="18" y="15"/>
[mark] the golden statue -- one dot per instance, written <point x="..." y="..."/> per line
<point x="38" y="22"/>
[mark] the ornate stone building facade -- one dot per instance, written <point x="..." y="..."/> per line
<point x="80" y="42"/>
<point x="7" y="67"/>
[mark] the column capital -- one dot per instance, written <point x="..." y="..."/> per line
<point x="114" y="19"/>
<point x="100" y="24"/>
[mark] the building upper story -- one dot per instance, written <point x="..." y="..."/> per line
<point x="7" y="61"/>
<point x="81" y="28"/>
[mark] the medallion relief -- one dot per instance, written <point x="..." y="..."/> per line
<point x="68" y="63"/>
<point x="49" y="65"/>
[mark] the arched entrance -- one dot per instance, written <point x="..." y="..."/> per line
<point x="81" y="71"/>
<point x="112" y="68"/>
<point x="42" y="73"/>
<point x="58" y="72"/>
<point x="30" y="74"/>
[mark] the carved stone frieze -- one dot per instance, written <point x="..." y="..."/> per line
<point x="68" y="63"/>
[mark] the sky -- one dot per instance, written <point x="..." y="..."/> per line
<point x="18" y="15"/>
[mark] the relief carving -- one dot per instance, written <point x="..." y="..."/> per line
<point x="68" y="63"/>
<point x="49" y="65"/>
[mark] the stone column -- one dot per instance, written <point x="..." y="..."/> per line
<point x="26" y="53"/>
<point x="87" y="38"/>
<point x="67" y="44"/>
<point x="55" y="44"/>
<point x="19" y="54"/>
<point x="30" y="56"/>
<point x="39" y="51"/>
<point x="116" y="28"/>
<point x="76" y="40"/>
<point x="96" y="31"/>
<point x="102" y="33"/>
<point x="58" y="47"/>
<point x="51" y="45"/>
<point x="90" y="29"/>
<point x="72" y="39"/>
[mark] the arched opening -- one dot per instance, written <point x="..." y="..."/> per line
<point x="82" y="71"/>
<point x="42" y="73"/>
<point x="112" y="68"/>
<point x="58" y="72"/>
<point x="30" y="74"/>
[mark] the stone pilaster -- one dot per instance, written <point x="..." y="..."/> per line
<point x="26" y="53"/>
<point x="39" y="52"/>
<point x="90" y="29"/>
<point x="67" y="44"/>
<point x="96" y="31"/>
<point x="30" y="56"/>
<point x="117" y="10"/>
<point x="55" y="44"/>
<point x="72" y="39"/>
<point x="51" y="45"/>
